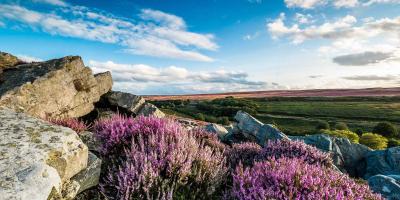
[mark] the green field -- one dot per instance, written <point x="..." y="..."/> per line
<point x="296" y="115"/>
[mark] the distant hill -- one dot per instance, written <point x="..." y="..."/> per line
<point x="286" y="93"/>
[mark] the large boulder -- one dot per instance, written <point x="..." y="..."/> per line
<point x="124" y="102"/>
<point x="36" y="157"/>
<point x="385" y="162"/>
<point x="255" y="130"/>
<point x="347" y="156"/>
<point x="60" y="88"/>
<point x="388" y="186"/>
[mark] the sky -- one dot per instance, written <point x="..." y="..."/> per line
<point x="161" y="47"/>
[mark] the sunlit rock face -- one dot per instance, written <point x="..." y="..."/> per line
<point x="36" y="158"/>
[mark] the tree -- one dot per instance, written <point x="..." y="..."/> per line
<point x="341" y="126"/>
<point x="386" y="129"/>
<point x="323" y="125"/>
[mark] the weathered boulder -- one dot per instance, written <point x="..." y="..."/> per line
<point x="388" y="186"/>
<point x="89" y="177"/>
<point x="219" y="130"/>
<point x="7" y="61"/>
<point x="255" y="130"/>
<point x="149" y="109"/>
<point x="385" y="162"/>
<point x="348" y="157"/>
<point x="36" y="157"/>
<point x="126" y="102"/>
<point x="59" y="88"/>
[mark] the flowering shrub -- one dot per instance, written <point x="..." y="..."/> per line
<point x="244" y="153"/>
<point x="72" y="123"/>
<point x="160" y="160"/>
<point x="207" y="138"/>
<point x="353" y="137"/>
<point x="295" y="149"/>
<point x="288" y="178"/>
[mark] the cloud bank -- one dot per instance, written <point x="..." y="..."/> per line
<point x="153" y="33"/>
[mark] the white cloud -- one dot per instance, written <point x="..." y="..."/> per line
<point x="350" y="39"/>
<point x="155" y="33"/>
<point x="145" y="79"/>
<point x="52" y="2"/>
<point x="306" y="4"/>
<point x="26" y="58"/>
<point x="311" y="4"/>
<point x="303" y="18"/>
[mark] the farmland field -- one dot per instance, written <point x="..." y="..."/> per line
<point x="294" y="115"/>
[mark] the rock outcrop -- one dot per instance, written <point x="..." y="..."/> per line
<point x="124" y="102"/>
<point x="254" y="130"/>
<point x="388" y="186"/>
<point x="37" y="159"/>
<point x="8" y="61"/>
<point x="347" y="156"/>
<point x="217" y="129"/>
<point x="59" y="88"/>
<point x="385" y="162"/>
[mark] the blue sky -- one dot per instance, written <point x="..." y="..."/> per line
<point x="207" y="46"/>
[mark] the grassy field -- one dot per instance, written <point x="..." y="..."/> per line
<point x="297" y="115"/>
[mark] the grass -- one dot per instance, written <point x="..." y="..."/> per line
<point x="300" y="115"/>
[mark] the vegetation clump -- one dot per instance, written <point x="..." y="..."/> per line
<point x="72" y="123"/>
<point x="155" y="158"/>
<point x="386" y="129"/>
<point x="290" y="178"/>
<point x="353" y="137"/>
<point x="374" y="141"/>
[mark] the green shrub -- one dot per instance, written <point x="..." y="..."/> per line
<point x="341" y="126"/>
<point x="393" y="142"/>
<point x="359" y="131"/>
<point x="374" y="141"/>
<point x="353" y="137"/>
<point x="323" y="125"/>
<point x="386" y="129"/>
<point x="224" y="120"/>
<point x="200" y="116"/>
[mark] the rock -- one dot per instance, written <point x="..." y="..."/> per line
<point x="219" y="130"/>
<point x="388" y="186"/>
<point x="89" y="177"/>
<point x="385" y="162"/>
<point x="348" y="157"/>
<point x="255" y="130"/>
<point x="353" y="156"/>
<point x="60" y="88"/>
<point x="104" y="82"/>
<point x="126" y="102"/>
<point x="36" y="157"/>
<point x="8" y="61"/>
<point x="70" y="190"/>
<point x="149" y="109"/>
<point x="90" y="140"/>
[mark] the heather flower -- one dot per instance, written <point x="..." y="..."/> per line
<point x="295" y="149"/>
<point x="244" y="153"/>
<point x="209" y="139"/>
<point x="161" y="160"/>
<point x="292" y="178"/>
<point x="72" y="123"/>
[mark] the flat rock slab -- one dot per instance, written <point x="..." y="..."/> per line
<point x="36" y="157"/>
